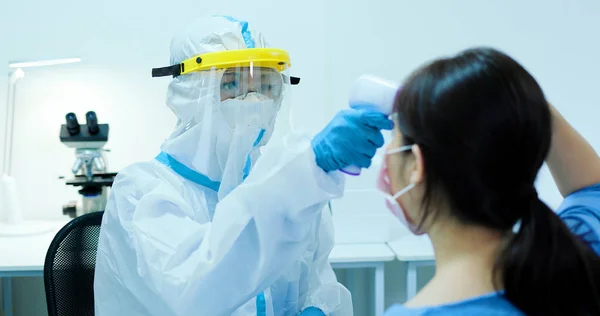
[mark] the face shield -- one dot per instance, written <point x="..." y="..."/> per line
<point x="229" y="104"/>
<point x="251" y="96"/>
<point x="258" y="76"/>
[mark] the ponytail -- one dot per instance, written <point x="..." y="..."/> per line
<point x="546" y="270"/>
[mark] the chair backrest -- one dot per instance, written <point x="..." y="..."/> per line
<point x="70" y="265"/>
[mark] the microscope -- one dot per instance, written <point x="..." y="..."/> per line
<point x="89" y="168"/>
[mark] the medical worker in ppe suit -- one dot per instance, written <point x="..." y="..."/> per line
<point x="217" y="224"/>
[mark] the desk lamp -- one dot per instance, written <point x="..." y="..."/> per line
<point x="12" y="223"/>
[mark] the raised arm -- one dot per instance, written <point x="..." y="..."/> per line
<point x="572" y="161"/>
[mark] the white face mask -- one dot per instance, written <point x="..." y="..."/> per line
<point x="384" y="185"/>
<point x="250" y="119"/>
<point x="250" y="110"/>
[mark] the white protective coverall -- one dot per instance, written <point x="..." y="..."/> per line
<point x="182" y="235"/>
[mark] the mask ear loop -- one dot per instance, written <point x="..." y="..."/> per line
<point x="410" y="186"/>
<point x="399" y="149"/>
<point x="403" y="191"/>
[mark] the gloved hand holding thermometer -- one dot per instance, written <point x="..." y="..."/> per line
<point x="375" y="93"/>
<point x="350" y="140"/>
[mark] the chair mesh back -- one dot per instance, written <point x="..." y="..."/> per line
<point x="69" y="267"/>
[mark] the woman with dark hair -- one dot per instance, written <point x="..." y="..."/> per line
<point x="472" y="132"/>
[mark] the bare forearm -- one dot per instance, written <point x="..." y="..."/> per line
<point x="572" y="161"/>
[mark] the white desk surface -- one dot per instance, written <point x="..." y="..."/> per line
<point x="369" y="252"/>
<point x="26" y="253"/>
<point x="412" y="248"/>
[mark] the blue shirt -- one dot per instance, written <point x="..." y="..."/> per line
<point x="493" y="304"/>
<point x="580" y="211"/>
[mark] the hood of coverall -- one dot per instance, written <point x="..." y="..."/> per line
<point x="203" y="140"/>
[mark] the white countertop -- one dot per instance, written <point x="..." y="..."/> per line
<point x="412" y="248"/>
<point x="370" y="252"/>
<point x="27" y="253"/>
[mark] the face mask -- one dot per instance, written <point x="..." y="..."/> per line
<point x="250" y="119"/>
<point x="250" y="110"/>
<point x="383" y="184"/>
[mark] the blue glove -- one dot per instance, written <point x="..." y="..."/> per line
<point x="351" y="138"/>
<point x="312" y="311"/>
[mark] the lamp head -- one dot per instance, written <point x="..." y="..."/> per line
<point x="16" y="74"/>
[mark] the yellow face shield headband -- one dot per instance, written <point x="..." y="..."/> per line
<point x="272" y="58"/>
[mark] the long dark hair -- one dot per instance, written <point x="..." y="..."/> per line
<point x="484" y="128"/>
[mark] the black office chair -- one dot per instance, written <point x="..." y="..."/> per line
<point x="70" y="265"/>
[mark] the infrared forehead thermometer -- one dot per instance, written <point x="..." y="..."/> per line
<point x="374" y="92"/>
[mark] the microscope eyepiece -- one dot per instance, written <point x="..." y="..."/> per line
<point x="92" y="122"/>
<point x="72" y="125"/>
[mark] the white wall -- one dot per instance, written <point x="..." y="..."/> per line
<point x="330" y="42"/>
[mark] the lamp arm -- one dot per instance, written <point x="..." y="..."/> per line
<point x="9" y="119"/>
